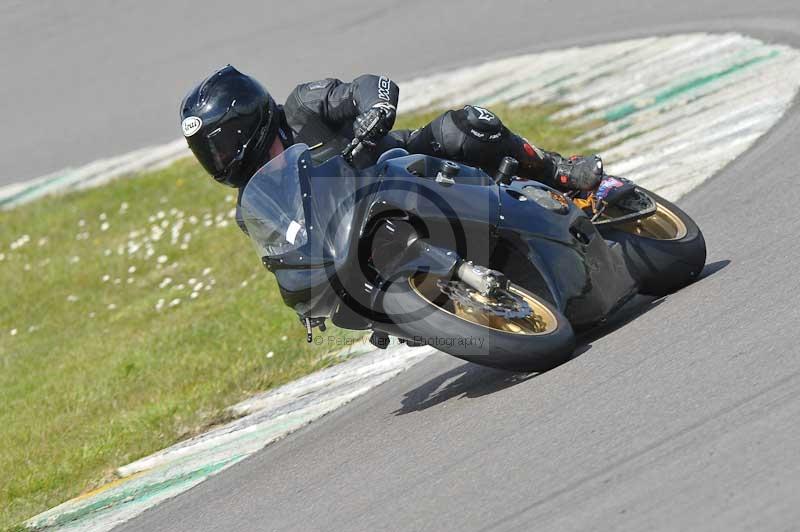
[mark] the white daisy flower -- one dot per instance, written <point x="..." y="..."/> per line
<point x="21" y="241"/>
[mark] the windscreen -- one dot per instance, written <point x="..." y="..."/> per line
<point x="272" y="205"/>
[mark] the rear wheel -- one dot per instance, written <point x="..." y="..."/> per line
<point x="513" y="330"/>
<point x="664" y="251"/>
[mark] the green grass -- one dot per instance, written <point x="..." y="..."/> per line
<point x="94" y="371"/>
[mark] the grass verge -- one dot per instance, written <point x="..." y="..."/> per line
<point x="132" y="315"/>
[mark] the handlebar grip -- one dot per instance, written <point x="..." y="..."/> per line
<point x="347" y="153"/>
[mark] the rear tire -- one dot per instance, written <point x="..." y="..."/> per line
<point x="661" y="262"/>
<point x="417" y="319"/>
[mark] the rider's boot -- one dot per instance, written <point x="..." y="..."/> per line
<point x="576" y="172"/>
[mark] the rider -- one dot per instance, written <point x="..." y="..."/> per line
<point x="233" y="126"/>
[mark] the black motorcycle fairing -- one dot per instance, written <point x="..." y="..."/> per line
<point x="465" y="213"/>
<point x="324" y="204"/>
<point x="586" y="278"/>
<point x="461" y="215"/>
<point x="437" y="225"/>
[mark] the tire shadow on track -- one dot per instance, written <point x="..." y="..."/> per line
<point x="465" y="381"/>
<point x="471" y="381"/>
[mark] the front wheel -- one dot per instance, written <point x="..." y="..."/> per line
<point x="664" y="251"/>
<point x="514" y="330"/>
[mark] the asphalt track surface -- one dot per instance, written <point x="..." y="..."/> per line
<point x="685" y="417"/>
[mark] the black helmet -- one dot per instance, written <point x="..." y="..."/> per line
<point x="230" y="121"/>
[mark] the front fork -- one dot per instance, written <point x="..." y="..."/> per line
<point x="417" y="255"/>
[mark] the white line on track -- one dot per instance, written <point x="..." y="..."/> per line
<point x="675" y="110"/>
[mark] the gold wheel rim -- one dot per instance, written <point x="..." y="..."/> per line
<point x="661" y="225"/>
<point x="541" y="321"/>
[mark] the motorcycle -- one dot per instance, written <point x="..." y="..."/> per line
<point x="496" y="270"/>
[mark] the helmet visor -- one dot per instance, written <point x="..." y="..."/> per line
<point x="220" y="148"/>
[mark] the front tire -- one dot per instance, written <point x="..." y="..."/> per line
<point x="422" y="314"/>
<point x="664" y="252"/>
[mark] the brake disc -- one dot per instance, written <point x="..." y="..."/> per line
<point x="502" y="303"/>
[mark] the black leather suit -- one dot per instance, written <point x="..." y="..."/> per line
<point x="321" y="114"/>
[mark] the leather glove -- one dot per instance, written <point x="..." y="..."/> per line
<point x="372" y="125"/>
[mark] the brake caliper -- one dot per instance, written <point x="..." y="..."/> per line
<point x="501" y="303"/>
